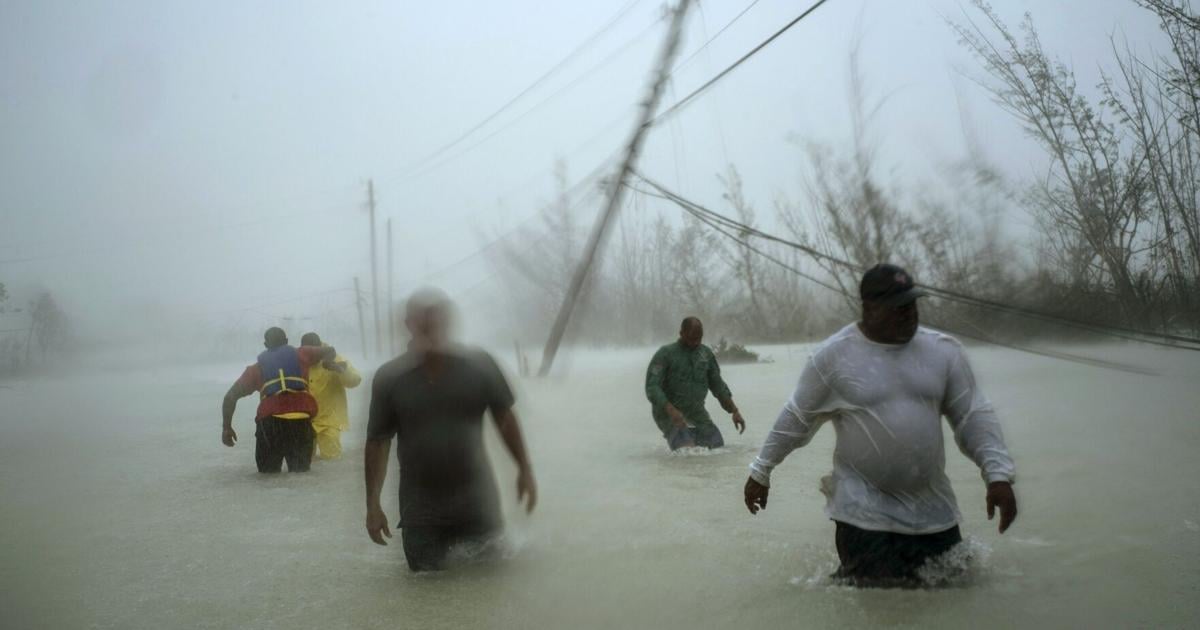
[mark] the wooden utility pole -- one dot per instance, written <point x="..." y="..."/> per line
<point x="362" y="331"/>
<point x="616" y="191"/>
<point x="389" y="311"/>
<point x="374" y="269"/>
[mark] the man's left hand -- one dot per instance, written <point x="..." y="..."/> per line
<point x="1000" y="495"/>
<point x="738" y="422"/>
<point x="526" y="489"/>
<point x="333" y="366"/>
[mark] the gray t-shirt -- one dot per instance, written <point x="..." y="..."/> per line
<point x="445" y="476"/>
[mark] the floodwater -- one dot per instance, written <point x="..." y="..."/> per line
<point x="122" y="510"/>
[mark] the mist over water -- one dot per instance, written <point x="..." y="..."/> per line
<point x="175" y="179"/>
<point x="123" y="511"/>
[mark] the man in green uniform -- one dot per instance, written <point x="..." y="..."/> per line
<point x="679" y="378"/>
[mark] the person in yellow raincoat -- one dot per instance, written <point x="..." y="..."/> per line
<point x="328" y="382"/>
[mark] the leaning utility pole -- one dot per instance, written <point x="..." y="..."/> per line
<point x="374" y="268"/>
<point x="362" y="331"/>
<point x="617" y="187"/>
<point x="389" y="312"/>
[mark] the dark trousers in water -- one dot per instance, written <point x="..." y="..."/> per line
<point x="703" y="435"/>
<point x="277" y="440"/>
<point x="886" y="558"/>
<point x="426" y="547"/>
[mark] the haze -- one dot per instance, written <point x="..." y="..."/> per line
<point x="186" y="162"/>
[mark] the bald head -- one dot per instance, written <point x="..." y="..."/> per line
<point x="691" y="332"/>
<point x="428" y="314"/>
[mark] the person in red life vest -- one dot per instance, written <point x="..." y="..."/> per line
<point x="285" y="407"/>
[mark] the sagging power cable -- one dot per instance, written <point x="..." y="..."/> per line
<point x="1121" y="332"/>
<point x="979" y="336"/>
<point x="509" y="124"/>
<point x="562" y="63"/>
<point x="695" y="53"/>
<point x="437" y="159"/>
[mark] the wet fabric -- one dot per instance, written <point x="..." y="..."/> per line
<point x="886" y="402"/>
<point x="886" y="558"/>
<point x="437" y="421"/>
<point x="706" y="436"/>
<point x="428" y="548"/>
<point x="278" y="440"/>
<point x="327" y="443"/>
<point x="329" y="387"/>
<point x="683" y="376"/>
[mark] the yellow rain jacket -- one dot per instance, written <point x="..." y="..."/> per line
<point x="329" y="388"/>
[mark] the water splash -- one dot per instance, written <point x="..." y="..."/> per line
<point x="1034" y="541"/>
<point x="698" y="451"/>
<point x="964" y="565"/>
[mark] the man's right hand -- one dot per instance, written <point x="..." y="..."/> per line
<point x="228" y="436"/>
<point x="377" y="526"/>
<point x="676" y="417"/>
<point x="756" y="495"/>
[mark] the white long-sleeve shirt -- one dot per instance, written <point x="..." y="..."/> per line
<point x="886" y="403"/>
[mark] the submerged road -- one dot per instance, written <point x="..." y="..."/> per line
<point x="122" y="510"/>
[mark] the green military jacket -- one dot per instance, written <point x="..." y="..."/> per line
<point x="683" y="376"/>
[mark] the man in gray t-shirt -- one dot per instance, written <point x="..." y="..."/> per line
<point x="432" y="400"/>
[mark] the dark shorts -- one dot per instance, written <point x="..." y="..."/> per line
<point x="427" y="548"/>
<point x="278" y="440"/>
<point x="703" y="435"/>
<point x="886" y="558"/>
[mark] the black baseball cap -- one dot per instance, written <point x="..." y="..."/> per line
<point x="888" y="285"/>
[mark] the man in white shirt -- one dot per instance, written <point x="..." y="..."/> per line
<point x="885" y="383"/>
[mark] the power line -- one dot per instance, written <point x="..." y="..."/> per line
<point x="535" y="107"/>
<point x="670" y="111"/>
<point x="536" y="82"/>
<point x="979" y="336"/>
<point x="1132" y="334"/>
<point x="719" y="228"/>
<point x="1111" y="330"/>
<point x="712" y="106"/>
<point x="710" y="40"/>
<point x="586" y="74"/>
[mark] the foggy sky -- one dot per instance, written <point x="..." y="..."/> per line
<point x="199" y="159"/>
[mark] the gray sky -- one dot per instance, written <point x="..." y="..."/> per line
<point x="203" y="158"/>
